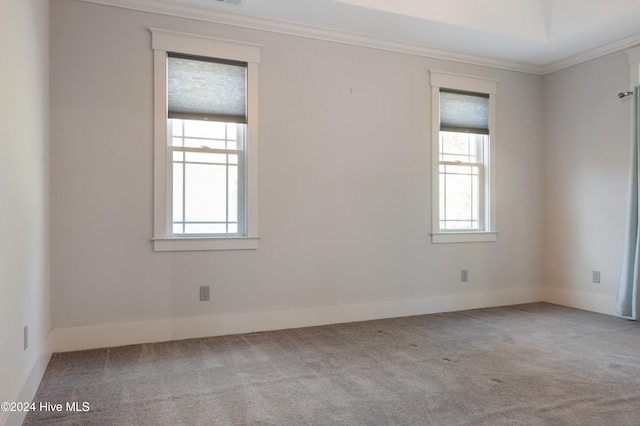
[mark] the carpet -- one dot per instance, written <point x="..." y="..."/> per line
<point x="533" y="364"/>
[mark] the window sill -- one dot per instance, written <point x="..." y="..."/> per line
<point x="205" y="243"/>
<point x="463" y="237"/>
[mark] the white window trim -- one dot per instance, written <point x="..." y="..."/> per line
<point x="445" y="80"/>
<point x="164" y="41"/>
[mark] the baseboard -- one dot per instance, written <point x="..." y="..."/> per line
<point x="29" y="383"/>
<point x="581" y="300"/>
<point x="120" y="334"/>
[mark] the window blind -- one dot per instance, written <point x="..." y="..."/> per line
<point x="464" y="112"/>
<point x="206" y="89"/>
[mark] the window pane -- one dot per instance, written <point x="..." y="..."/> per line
<point x="475" y="197"/>
<point x="463" y="147"/>
<point x="207" y="134"/>
<point x="454" y="143"/>
<point x="233" y="193"/>
<point x="205" y="193"/>
<point x="459" y="197"/>
<point x="176" y="127"/>
<point x="204" y="143"/>
<point x="177" y="192"/>
<point x="460" y="170"/>
<point x="442" y="197"/>
<point x="206" y="185"/>
<point x="204" y="129"/>
<point x="205" y="157"/>
<point x="205" y="228"/>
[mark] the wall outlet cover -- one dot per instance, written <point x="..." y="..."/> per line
<point x="204" y="293"/>
<point x="596" y="276"/>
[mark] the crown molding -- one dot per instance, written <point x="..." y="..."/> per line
<point x="590" y="54"/>
<point x="318" y="33"/>
<point x="634" y="55"/>
<point x="171" y="8"/>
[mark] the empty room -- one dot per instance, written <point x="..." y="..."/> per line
<point x="319" y="212"/>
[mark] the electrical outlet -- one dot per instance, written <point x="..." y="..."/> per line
<point x="204" y="293"/>
<point x="464" y="275"/>
<point x="596" y="276"/>
<point x="26" y="337"/>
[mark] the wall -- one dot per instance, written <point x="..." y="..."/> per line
<point x="344" y="190"/>
<point x="586" y="163"/>
<point x="24" y="246"/>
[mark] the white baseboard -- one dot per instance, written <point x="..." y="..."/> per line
<point x="29" y="383"/>
<point x="581" y="300"/>
<point x="120" y="334"/>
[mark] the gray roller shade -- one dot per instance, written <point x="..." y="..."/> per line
<point x="464" y="112"/>
<point x="206" y="89"/>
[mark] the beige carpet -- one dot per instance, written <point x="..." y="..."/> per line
<point x="535" y="364"/>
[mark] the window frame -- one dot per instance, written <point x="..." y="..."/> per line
<point x="472" y="84"/>
<point x="184" y="152"/>
<point x="162" y="42"/>
<point x="480" y="176"/>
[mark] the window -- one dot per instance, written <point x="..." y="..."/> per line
<point x="463" y="142"/>
<point x="206" y="127"/>
<point x="205" y="143"/>
<point x="464" y="129"/>
<point x="207" y="177"/>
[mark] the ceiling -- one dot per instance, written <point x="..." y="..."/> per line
<point x="537" y="36"/>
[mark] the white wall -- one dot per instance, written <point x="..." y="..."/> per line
<point x="586" y="163"/>
<point x="344" y="188"/>
<point x="24" y="211"/>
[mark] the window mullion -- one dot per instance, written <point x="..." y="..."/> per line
<point x="226" y="178"/>
<point x="242" y="194"/>
<point x="461" y="164"/>
<point x="208" y="150"/>
<point x="184" y="183"/>
<point x="471" y="205"/>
